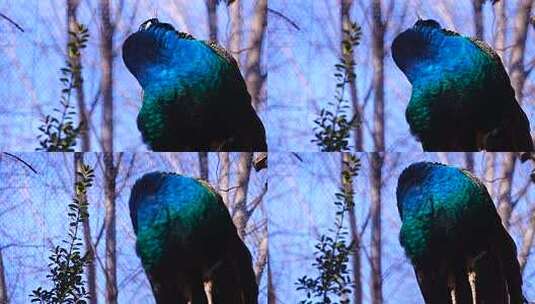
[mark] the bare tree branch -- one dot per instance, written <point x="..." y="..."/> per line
<point x="281" y="15"/>
<point x="21" y="160"/>
<point x="12" y="22"/>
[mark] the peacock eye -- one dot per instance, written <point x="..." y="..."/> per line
<point x="147" y="25"/>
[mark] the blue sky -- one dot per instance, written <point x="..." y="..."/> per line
<point x="301" y="208"/>
<point x="33" y="216"/>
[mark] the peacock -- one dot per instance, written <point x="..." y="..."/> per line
<point x="454" y="238"/>
<point x="462" y="98"/>
<point x="188" y="244"/>
<point x="194" y="96"/>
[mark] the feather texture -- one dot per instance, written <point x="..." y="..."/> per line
<point x="194" y="97"/>
<point x="462" y="98"/>
<point x="188" y="244"/>
<point x="453" y="235"/>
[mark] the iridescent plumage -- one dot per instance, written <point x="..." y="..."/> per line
<point x="194" y="97"/>
<point x="452" y="234"/>
<point x="188" y="244"/>
<point x="462" y="98"/>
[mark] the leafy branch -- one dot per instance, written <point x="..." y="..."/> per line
<point x="58" y="130"/>
<point x="67" y="263"/>
<point x="333" y="126"/>
<point x="332" y="252"/>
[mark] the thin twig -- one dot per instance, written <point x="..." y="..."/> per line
<point x="12" y="22"/>
<point x="297" y="156"/>
<point x="21" y="160"/>
<point x="284" y="17"/>
<point x="229" y="189"/>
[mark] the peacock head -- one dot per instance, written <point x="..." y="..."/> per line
<point x="413" y="174"/>
<point x="147" y="185"/>
<point x="417" y="45"/>
<point x="151" y="47"/>
<point x="411" y="178"/>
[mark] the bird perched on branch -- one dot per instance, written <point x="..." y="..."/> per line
<point x="454" y="238"/>
<point x="462" y="98"/>
<point x="187" y="243"/>
<point x="194" y="97"/>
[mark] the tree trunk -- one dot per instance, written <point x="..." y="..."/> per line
<point x="501" y="26"/>
<point x="378" y="77"/>
<point x="378" y="52"/>
<point x="240" y="215"/>
<point x="224" y="182"/>
<point x="109" y="226"/>
<point x="376" y="268"/>
<point x="211" y="8"/>
<point x="72" y="7"/>
<point x="90" y="268"/>
<point x="478" y="18"/>
<point x="505" y="206"/>
<point x="236" y="27"/>
<point x="490" y="162"/>
<point x="3" y="286"/>
<point x="106" y="51"/>
<point x="254" y="77"/>
<point x="469" y="161"/>
<point x="355" y="236"/>
<point x="517" y="69"/>
<point x="203" y="165"/>
<point x="357" y="109"/>
<point x="272" y="299"/>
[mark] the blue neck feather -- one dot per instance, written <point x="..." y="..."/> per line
<point x="159" y="56"/>
<point x="426" y="52"/>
